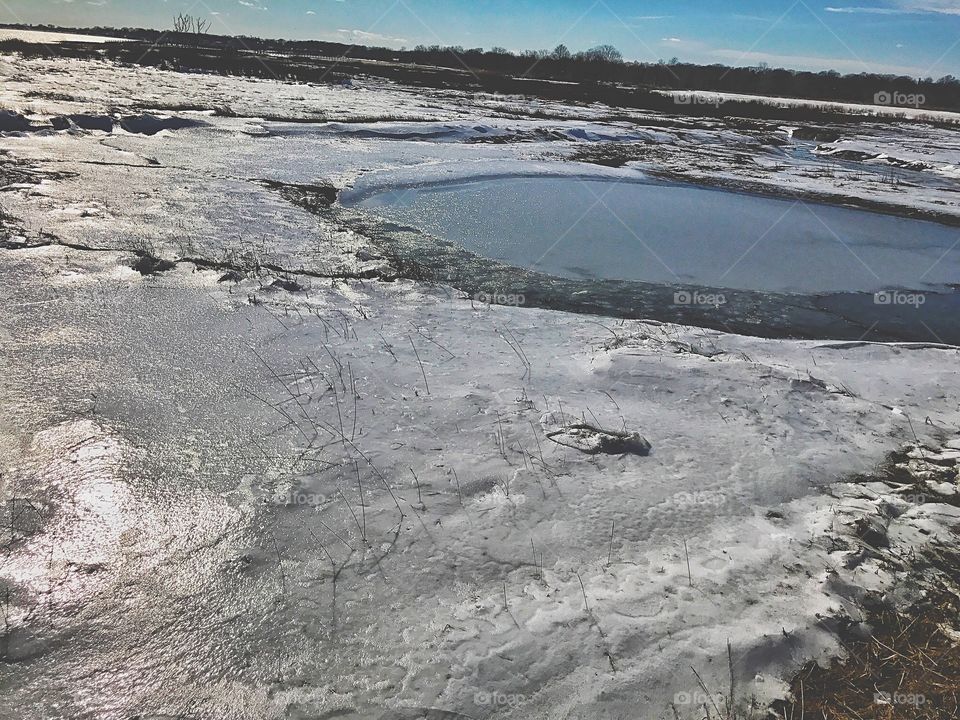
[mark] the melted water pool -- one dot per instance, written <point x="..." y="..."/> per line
<point x="672" y="234"/>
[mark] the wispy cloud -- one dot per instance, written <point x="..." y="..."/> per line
<point x="363" y="37"/>
<point x="903" y="7"/>
<point x="812" y="62"/>
<point x="866" y="11"/>
<point x="948" y="7"/>
<point x="703" y="52"/>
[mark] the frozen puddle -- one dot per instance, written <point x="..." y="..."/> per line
<point x="588" y="229"/>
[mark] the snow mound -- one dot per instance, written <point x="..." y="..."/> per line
<point x="152" y="124"/>
<point x="103" y="123"/>
<point x="13" y="122"/>
<point x="492" y="131"/>
<point x="436" y="132"/>
<point x="135" y="124"/>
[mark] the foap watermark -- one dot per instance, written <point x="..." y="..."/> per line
<point x="895" y="98"/>
<point x="500" y="97"/>
<point x="500" y="298"/>
<point x="695" y="98"/>
<point x="700" y="498"/>
<point x="497" y="699"/>
<point x="526" y="102"/>
<point x="897" y="297"/>
<point x="899" y="698"/>
<point x="271" y="490"/>
<point x="697" y="298"/>
<point x="697" y="698"/>
<point x="296" y="497"/>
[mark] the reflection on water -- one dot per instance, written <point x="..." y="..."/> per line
<point x="84" y="509"/>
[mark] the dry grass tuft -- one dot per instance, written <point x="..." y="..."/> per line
<point x="900" y="665"/>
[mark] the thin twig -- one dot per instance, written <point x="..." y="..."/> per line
<point x="584" y="591"/>
<point x="419" y="362"/>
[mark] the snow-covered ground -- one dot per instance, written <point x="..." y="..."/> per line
<point x="912" y="107"/>
<point x="253" y="485"/>
<point x="52" y="38"/>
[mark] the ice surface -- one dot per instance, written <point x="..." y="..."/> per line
<point x="663" y="233"/>
<point x="227" y="496"/>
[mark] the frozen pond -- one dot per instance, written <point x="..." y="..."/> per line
<point x="673" y="234"/>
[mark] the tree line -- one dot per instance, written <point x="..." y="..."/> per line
<point x="603" y="65"/>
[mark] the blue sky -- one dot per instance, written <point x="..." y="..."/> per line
<point x="914" y="37"/>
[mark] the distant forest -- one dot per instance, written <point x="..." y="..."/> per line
<point x="600" y="65"/>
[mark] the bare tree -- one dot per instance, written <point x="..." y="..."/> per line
<point x="602" y="53"/>
<point x="184" y="23"/>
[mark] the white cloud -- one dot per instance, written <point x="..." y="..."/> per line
<point x="362" y="37"/>
<point x="903" y="7"/>
<point x="702" y="52"/>
<point x="865" y="11"/>
<point x="813" y="63"/>
<point x="948" y="7"/>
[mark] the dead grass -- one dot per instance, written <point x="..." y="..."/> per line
<point x="899" y="665"/>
